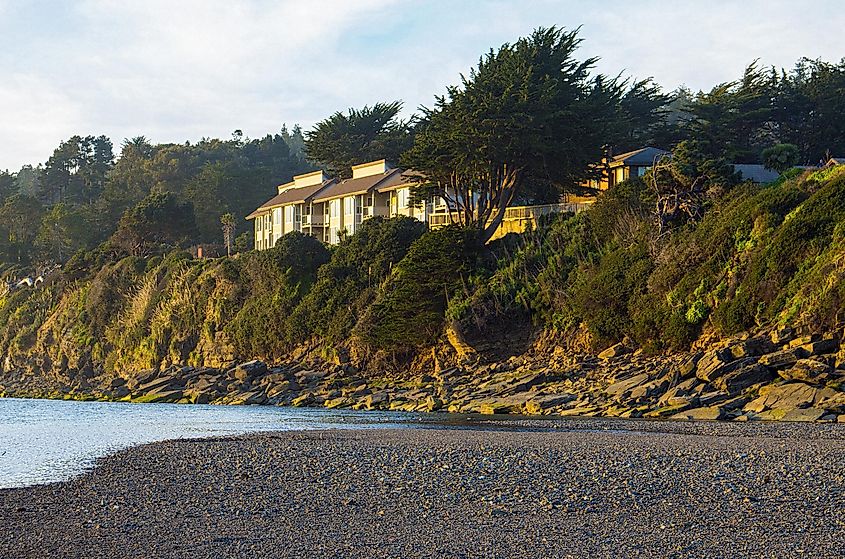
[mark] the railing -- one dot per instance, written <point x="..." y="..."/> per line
<point x="515" y="213"/>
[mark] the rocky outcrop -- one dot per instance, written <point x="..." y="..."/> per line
<point x="773" y="377"/>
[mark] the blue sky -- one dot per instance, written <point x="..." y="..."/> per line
<point x="185" y="69"/>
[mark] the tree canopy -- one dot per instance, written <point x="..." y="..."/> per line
<point x="357" y="136"/>
<point x="530" y="110"/>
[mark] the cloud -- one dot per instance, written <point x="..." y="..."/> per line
<point x="177" y="71"/>
<point x="37" y="114"/>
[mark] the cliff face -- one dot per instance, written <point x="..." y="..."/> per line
<point x="395" y="302"/>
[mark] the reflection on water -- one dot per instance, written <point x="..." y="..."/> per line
<point x="43" y="441"/>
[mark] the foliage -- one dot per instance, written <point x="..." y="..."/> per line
<point x="361" y="135"/>
<point x="409" y="310"/>
<point x="349" y="282"/>
<point x="159" y="222"/>
<point x="528" y="111"/>
<point x="780" y="157"/>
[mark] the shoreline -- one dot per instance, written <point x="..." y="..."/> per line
<point x="584" y="490"/>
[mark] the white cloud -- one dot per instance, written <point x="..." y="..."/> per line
<point x="175" y="71"/>
<point x="36" y="117"/>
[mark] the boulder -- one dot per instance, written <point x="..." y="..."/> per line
<point x="494" y="408"/>
<point x="687" y="367"/>
<point x="248" y="371"/>
<point x="752" y="347"/>
<point x="540" y="404"/>
<point x="821" y="347"/>
<point x="782" y="336"/>
<point x="781" y="359"/>
<point x="807" y="370"/>
<point x="707" y="414"/>
<point x="713" y="364"/>
<point x="615" y="350"/>
<point x="377" y="400"/>
<point x="117" y="381"/>
<point x="303" y="400"/>
<point x="805" y="414"/>
<point x="623" y="386"/>
<point x="784" y="397"/>
<point x="737" y="381"/>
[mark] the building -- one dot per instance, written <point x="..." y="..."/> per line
<point x="619" y="168"/>
<point x="292" y="209"/>
<point x="375" y="190"/>
<point x="755" y="173"/>
<point x="328" y="208"/>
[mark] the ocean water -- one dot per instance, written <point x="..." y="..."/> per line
<point x="43" y="441"/>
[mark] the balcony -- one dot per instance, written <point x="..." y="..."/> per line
<point x="317" y="220"/>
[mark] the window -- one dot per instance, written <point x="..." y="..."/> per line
<point x="335" y="208"/>
<point x="404" y="197"/>
<point x="288" y="214"/>
<point x="349" y="205"/>
<point x="277" y="216"/>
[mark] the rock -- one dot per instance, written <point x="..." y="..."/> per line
<point x="781" y="359"/>
<point x="667" y="411"/>
<point x="158" y="384"/>
<point x="752" y="347"/>
<point x="117" y="381"/>
<point x="804" y="340"/>
<point x="539" y="404"/>
<point x="248" y="371"/>
<point x="708" y="399"/>
<point x="377" y="400"/>
<point x="335" y="403"/>
<point x="620" y="388"/>
<point x="713" y="364"/>
<point x="615" y="350"/>
<point x="784" y="397"/>
<point x="782" y="336"/>
<point x="274" y="390"/>
<point x="806" y="414"/>
<point x="807" y="370"/>
<point x="493" y="408"/>
<point x="302" y="400"/>
<point x="687" y="366"/>
<point x="821" y="347"/>
<point x="120" y="391"/>
<point x="706" y="414"/>
<point x="737" y="381"/>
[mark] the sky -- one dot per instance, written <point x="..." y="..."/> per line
<point x="181" y="70"/>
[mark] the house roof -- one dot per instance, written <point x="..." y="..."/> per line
<point x="291" y="196"/>
<point x="756" y="173"/>
<point x="362" y="185"/>
<point x="642" y="156"/>
<point x="836" y="161"/>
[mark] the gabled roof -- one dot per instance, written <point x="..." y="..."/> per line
<point x="836" y="161"/>
<point x="643" y="156"/>
<point x="362" y="185"/>
<point x="291" y="196"/>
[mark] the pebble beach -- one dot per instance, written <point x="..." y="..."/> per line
<point x="577" y="488"/>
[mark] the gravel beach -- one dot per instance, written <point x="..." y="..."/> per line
<point x="578" y="488"/>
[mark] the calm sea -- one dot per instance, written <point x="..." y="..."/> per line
<point x="43" y="441"/>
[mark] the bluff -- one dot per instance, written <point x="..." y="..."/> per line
<point x="738" y="313"/>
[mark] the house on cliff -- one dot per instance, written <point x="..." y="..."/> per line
<point x="625" y="166"/>
<point x="327" y="208"/>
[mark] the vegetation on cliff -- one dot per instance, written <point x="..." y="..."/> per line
<point x="760" y="256"/>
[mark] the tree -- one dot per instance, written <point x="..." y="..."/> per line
<point x="529" y="111"/>
<point x="736" y="120"/>
<point x="360" y="135"/>
<point x="77" y="170"/>
<point x="63" y="231"/>
<point x="20" y="217"/>
<point x="781" y="157"/>
<point x="160" y="221"/>
<point x="8" y="185"/>
<point x="227" y="222"/>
